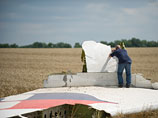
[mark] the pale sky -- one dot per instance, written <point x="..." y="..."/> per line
<point x="26" y="21"/>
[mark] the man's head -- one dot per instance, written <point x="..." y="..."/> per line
<point x="117" y="47"/>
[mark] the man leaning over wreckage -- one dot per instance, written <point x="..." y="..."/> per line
<point x="124" y="62"/>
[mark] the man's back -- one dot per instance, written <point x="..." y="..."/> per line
<point x="122" y="56"/>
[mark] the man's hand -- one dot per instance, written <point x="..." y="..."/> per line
<point x="113" y="50"/>
<point x="110" y="55"/>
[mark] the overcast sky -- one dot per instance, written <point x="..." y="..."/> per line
<point x="26" y="21"/>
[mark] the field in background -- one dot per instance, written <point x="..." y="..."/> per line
<point x="145" y="61"/>
<point x="23" y="70"/>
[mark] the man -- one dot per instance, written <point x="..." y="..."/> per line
<point x="124" y="63"/>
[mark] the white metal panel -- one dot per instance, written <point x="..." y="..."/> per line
<point x="128" y="100"/>
<point x="97" y="57"/>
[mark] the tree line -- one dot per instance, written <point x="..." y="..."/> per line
<point x="38" y="45"/>
<point x="133" y="42"/>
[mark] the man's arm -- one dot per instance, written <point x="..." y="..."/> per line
<point x="112" y="53"/>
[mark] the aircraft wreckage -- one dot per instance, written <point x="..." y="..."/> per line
<point x="92" y="95"/>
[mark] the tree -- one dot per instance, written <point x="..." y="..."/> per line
<point x="50" y="45"/>
<point x="67" y="45"/>
<point x="117" y="42"/>
<point x="135" y="42"/>
<point x="63" y="45"/>
<point x="112" y="44"/>
<point x="104" y="42"/>
<point x="127" y="43"/>
<point x="4" y="46"/>
<point x="39" y="45"/>
<point x="143" y="43"/>
<point x="77" y="45"/>
<point x="152" y="44"/>
<point x="14" y="46"/>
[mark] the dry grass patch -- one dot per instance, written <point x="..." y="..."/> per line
<point x="143" y="114"/>
<point x="23" y="70"/>
<point x="145" y="61"/>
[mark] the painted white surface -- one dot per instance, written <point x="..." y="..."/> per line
<point x="155" y="85"/>
<point x="97" y="57"/>
<point x="4" y="105"/>
<point x="128" y="100"/>
<point x="17" y="97"/>
<point x="82" y="79"/>
<point x="15" y="112"/>
<point x="95" y="79"/>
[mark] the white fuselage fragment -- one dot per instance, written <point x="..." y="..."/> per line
<point x="128" y="100"/>
<point x="97" y="57"/>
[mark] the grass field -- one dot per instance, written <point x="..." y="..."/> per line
<point x="23" y="70"/>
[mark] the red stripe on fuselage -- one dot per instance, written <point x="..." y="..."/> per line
<point x="44" y="104"/>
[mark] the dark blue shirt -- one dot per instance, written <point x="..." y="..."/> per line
<point x="122" y="56"/>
